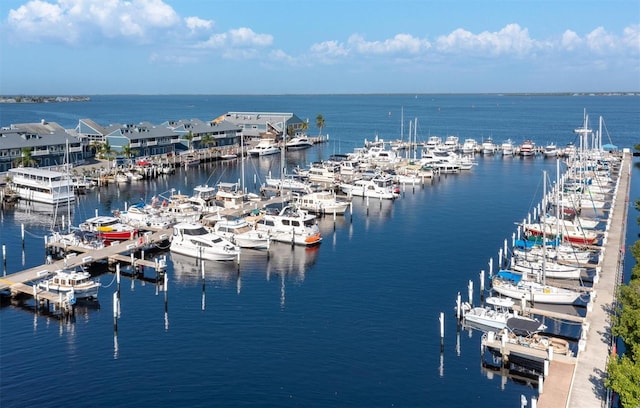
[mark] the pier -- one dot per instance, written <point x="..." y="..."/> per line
<point x="587" y="386"/>
<point x="578" y="381"/>
<point x="16" y="283"/>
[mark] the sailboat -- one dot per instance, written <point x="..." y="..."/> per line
<point x="518" y="285"/>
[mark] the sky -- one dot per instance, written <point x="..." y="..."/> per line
<point x="89" y="47"/>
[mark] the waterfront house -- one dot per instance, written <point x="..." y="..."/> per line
<point x="198" y="134"/>
<point x="266" y="124"/>
<point x="48" y="144"/>
<point x="144" y="138"/>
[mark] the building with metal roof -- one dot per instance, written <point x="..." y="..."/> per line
<point x="47" y="142"/>
<point x="265" y="124"/>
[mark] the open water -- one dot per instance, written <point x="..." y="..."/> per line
<point x="353" y="322"/>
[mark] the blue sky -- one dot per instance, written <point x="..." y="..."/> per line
<point x="308" y="46"/>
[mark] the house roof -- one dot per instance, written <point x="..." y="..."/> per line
<point x="32" y="135"/>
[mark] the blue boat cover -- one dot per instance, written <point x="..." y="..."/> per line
<point x="508" y="275"/>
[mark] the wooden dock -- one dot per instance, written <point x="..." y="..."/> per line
<point x="17" y="283"/>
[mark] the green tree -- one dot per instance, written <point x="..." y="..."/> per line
<point x="189" y="138"/>
<point x="623" y="371"/>
<point x="107" y="152"/>
<point x="207" y="140"/>
<point x="127" y="151"/>
<point x="26" y="159"/>
<point x="320" y="123"/>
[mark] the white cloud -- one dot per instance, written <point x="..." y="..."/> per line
<point x="400" y="43"/>
<point x="512" y="39"/>
<point x="73" y="21"/>
<point x="631" y="38"/>
<point x="237" y="44"/>
<point x="600" y="41"/>
<point x="196" y="23"/>
<point x="570" y="40"/>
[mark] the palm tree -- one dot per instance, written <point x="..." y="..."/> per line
<point x="207" y="140"/>
<point x="128" y="151"/>
<point x="26" y="159"/>
<point x="188" y="137"/>
<point x="106" y="151"/>
<point x="320" y="123"/>
<point x="305" y="126"/>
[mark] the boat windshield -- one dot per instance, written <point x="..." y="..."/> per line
<point x="195" y="231"/>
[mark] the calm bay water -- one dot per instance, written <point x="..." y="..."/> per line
<point x="353" y="322"/>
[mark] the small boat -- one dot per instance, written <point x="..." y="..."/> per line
<point x="291" y="225"/>
<point x="498" y="315"/>
<point x="527" y="148"/>
<point x="190" y="160"/>
<point x="241" y="233"/>
<point x="380" y="186"/>
<point x="264" y="148"/>
<point x="470" y="146"/>
<point x="77" y="284"/>
<point x="193" y="239"/>
<point x="298" y="143"/>
<point x="550" y="150"/>
<point x="508" y="148"/>
<point x="290" y="182"/>
<point x="109" y="228"/>
<point x="76" y="238"/>
<point x="488" y="147"/>
<point x="322" y="202"/>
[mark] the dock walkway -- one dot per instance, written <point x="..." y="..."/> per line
<point x="16" y="281"/>
<point x="586" y="388"/>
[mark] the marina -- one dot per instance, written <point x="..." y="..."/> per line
<point x="337" y="302"/>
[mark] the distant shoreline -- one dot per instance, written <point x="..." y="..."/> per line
<point x="42" y="99"/>
<point x="69" y="98"/>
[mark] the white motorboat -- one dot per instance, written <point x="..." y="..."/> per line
<point x="527" y="148"/>
<point x="470" y="146"/>
<point x="193" y="239"/>
<point x="323" y="202"/>
<point x="291" y="225"/>
<point x="298" y="143"/>
<point x="76" y="284"/>
<point x="487" y="146"/>
<point x="229" y="195"/>
<point x="499" y="315"/>
<point x="508" y="148"/>
<point x="381" y="187"/>
<point x="241" y="233"/>
<point x="264" y="148"/>
<point x="550" y="150"/>
<point x="77" y="238"/>
<point x="141" y="215"/>
<point x="290" y="182"/>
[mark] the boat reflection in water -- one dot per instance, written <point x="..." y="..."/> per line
<point x="282" y="262"/>
<point x="289" y="262"/>
<point x="36" y="214"/>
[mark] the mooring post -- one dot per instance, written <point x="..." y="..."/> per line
<point x="441" y="331"/>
